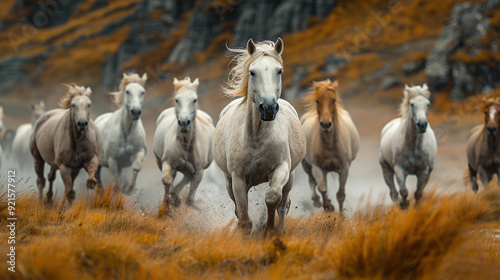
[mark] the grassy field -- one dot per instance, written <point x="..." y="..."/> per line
<point x="453" y="236"/>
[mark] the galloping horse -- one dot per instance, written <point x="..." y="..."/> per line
<point x="332" y="141"/>
<point x="21" y="142"/>
<point x="408" y="145"/>
<point x="259" y="137"/>
<point x="123" y="135"/>
<point x="183" y="142"/>
<point x="68" y="140"/>
<point x="483" y="147"/>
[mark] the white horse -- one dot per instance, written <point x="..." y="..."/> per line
<point x="259" y="138"/>
<point x="21" y="143"/>
<point x="408" y="145"/>
<point x="122" y="132"/>
<point x="183" y="142"/>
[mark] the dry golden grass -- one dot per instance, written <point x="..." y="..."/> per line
<point x="454" y="236"/>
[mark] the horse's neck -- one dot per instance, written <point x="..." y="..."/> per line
<point x="331" y="137"/>
<point x="126" y="121"/>
<point x="75" y="134"/>
<point x="492" y="142"/>
<point x="253" y="121"/>
<point x="412" y="137"/>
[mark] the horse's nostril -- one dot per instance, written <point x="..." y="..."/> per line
<point x="188" y="122"/>
<point x="179" y="122"/>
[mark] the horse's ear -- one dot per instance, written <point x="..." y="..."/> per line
<point x="187" y="78"/>
<point x="278" y="46"/>
<point x="125" y="75"/>
<point x="250" y="46"/>
<point x="335" y="84"/>
<point x="425" y="87"/>
<point x="32" y="106"/>
<point x="175" y="81"/>
<point x="89" y="90"/>
<point x="196" y="82"/>
<point x="144" y="77"/>
<point x="42" y="104"/>
<point x="316" y="85"/>
<point x="406" y="91"/>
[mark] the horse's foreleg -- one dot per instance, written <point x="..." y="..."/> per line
<point x="195" y="182"/>
<point x="422" y="180"/>
<point x="67" y="177"/>
<point x="98" y="178"/>
<point x="312" y="182"/>
<point x="320" y="176"/>
<point x="52" y="177"/>
<point x="401" y="179"/>
<point x="473" y="177"/>
<point x="185" y="180"/>
<point x="136" y="167"/>
<point x="484" y="176"/>
<point x="284" y="204"/>
<point x="170" y="198"/>
<point x="240" y="192"/>
<point x="92" y="167"/>
<point x="113" y="169"/>
<point x="341" y="193"/>
<point x="389" y="178"/>
<point x="274" y="194"/>
<point x="40" y="181"/>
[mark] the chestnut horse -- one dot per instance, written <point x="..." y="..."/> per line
<point x="332" y="141"/>
<point x="483" y="147"/>
<point x="68" y="140"/>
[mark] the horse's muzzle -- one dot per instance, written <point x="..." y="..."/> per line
<point x="82" y="124"/>
<point x="184" y="125"/>
<point x="135" y="114"/>
<point x="268" y="110"/>
<point x="421" y="127"/>
<point x="491" y="131"/>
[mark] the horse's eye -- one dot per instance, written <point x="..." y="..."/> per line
<point x="333" y="101"/>
<point x="177" y="101"/>
<point x="142" y="92"/>
<point x="428" y="105"/>
<point x="73" y="105"/>
<point x="88" y="105"/>
<point x="317" y="101"/>
<point x="412" y="105"/>
<point x="252" y="73"/>
<point x="194" y="101"/>
<point x="127" y="92"/>
<point x="280" y="71"/>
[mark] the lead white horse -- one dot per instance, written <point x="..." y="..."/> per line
<point x="408" y="145"/>
<point x="21" y="143"/>
<point x="122" y="131"/>
<point x="183" y="142"/>
<point x="259" y="137"/>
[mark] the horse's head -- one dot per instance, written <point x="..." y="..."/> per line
<point x="492" y="115"/>
<point x="77" y="100"/>
<point x="186" y="102"/>
<point x="326" y="99"/>
<point x="418" y="103"/>
<point x="133" y="94"/>
<point x="38" y="110"/>
<point x="264" y="82"/>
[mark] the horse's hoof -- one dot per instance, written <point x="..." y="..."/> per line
<point x="176" y="200"/>
<point x="91" y="183"/>
<point x="316" y="203"/>
<point x="404" y="204"/>
<point x="48" y="202"/>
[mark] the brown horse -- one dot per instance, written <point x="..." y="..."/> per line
<point x="483" y="147"/>
<point x="66" y="139"/>
<point x="332" y="141"/>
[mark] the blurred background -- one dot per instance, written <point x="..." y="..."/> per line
<point x="373" y="47"/>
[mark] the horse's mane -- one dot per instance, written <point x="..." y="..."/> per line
<point x="317" y="90"/>
<point x="237" y="84"/>
<point x="186" y="82"/>
<point x="487" y="102"/>
<point x="117" y="96"/>
<point x="410" y="93"/>
<point x="73" y="91"/>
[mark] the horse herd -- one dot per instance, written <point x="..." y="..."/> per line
<point x="259" y="138"/>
